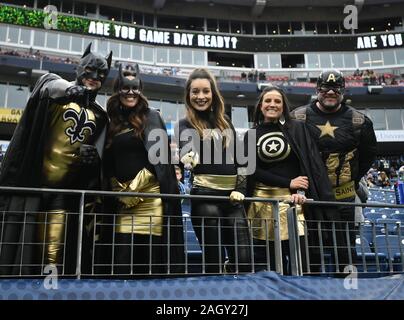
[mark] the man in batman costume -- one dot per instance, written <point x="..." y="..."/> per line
<point x="57" y="144"/>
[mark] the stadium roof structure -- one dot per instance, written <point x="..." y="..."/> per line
<point x="158" y="4"/>
<point x="268" y="10"/>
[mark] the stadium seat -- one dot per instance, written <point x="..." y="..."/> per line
<point x="362" y="246"/>
<point x="398" y="216"/>
<point x="393" y="247"/>
<point x="367" y="263"/>
<point x="373" y="216"/>
<point x="389" y="224"/>
<point x="369" y="231"/>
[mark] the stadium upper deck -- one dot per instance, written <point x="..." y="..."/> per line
<point x="289" y="42"/>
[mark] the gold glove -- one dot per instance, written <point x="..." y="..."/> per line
<point x="129" y="202"/>
<point x="190" y="160"/>
<point x="236" y="196"/>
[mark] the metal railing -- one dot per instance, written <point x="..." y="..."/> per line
<point x="90" y="242"/>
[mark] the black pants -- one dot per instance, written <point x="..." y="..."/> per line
<point x="219" y="224"/>
<point x="348" y="232"/>
<point x="262" y="259"/>
<point x="340" y="234"/>
<point x="132" y="254"/>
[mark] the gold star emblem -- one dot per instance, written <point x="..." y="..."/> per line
<point x="327" y="129"/>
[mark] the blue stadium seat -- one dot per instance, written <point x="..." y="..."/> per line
<point x="362" y="246"/>
<point x="393" y="247"/>
<point x="368" y="233"/>
<point x="382" y="195"/>
<point x="399" y="230"/>
<point x="398" y="216"/>
<point x="367" y="265"/>
<point x="389" y="224"/>
<point x="374" y="216"/>
<point x="366" y="210"/>
<point x="389" y="211"/>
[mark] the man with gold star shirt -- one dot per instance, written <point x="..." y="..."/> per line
<point x="57" y="144"/>
<point x="345" y="138"/>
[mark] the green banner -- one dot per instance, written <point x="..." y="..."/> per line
<point x="38" y="18"/>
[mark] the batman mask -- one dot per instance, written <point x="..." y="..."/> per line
<point x="126" y="86"/>
<point x="93" y="66"/>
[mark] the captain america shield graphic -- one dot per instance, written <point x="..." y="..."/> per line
<point x="272" y="147"/>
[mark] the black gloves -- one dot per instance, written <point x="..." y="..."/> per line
<point x="89" y="154"/>
<point x="78" y="94"/>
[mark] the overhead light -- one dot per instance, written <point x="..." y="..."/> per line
<point x="22" y="73"/>
<point x="372" y="61"/>
<point x="240" y="96"/>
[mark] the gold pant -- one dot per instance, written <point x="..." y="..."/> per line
<point x="146" y="217"/>
<point x="261" y="217"/>
<point x="52" y="233"/>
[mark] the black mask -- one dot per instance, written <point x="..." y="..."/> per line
<point x="125" y="86"/>
<point x="93" y="66"/>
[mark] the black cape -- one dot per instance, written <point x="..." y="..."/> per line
<point x="22" y="167"/>
<point x="172" y="207"/>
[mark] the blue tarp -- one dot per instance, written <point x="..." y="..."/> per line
<point x="259" y="286"/>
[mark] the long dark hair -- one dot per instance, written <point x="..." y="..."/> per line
<point x="259" y="117"/>
<point x="217" y="102"/>
<point x="217" y="105"/>
<point x="118" y="121"/>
